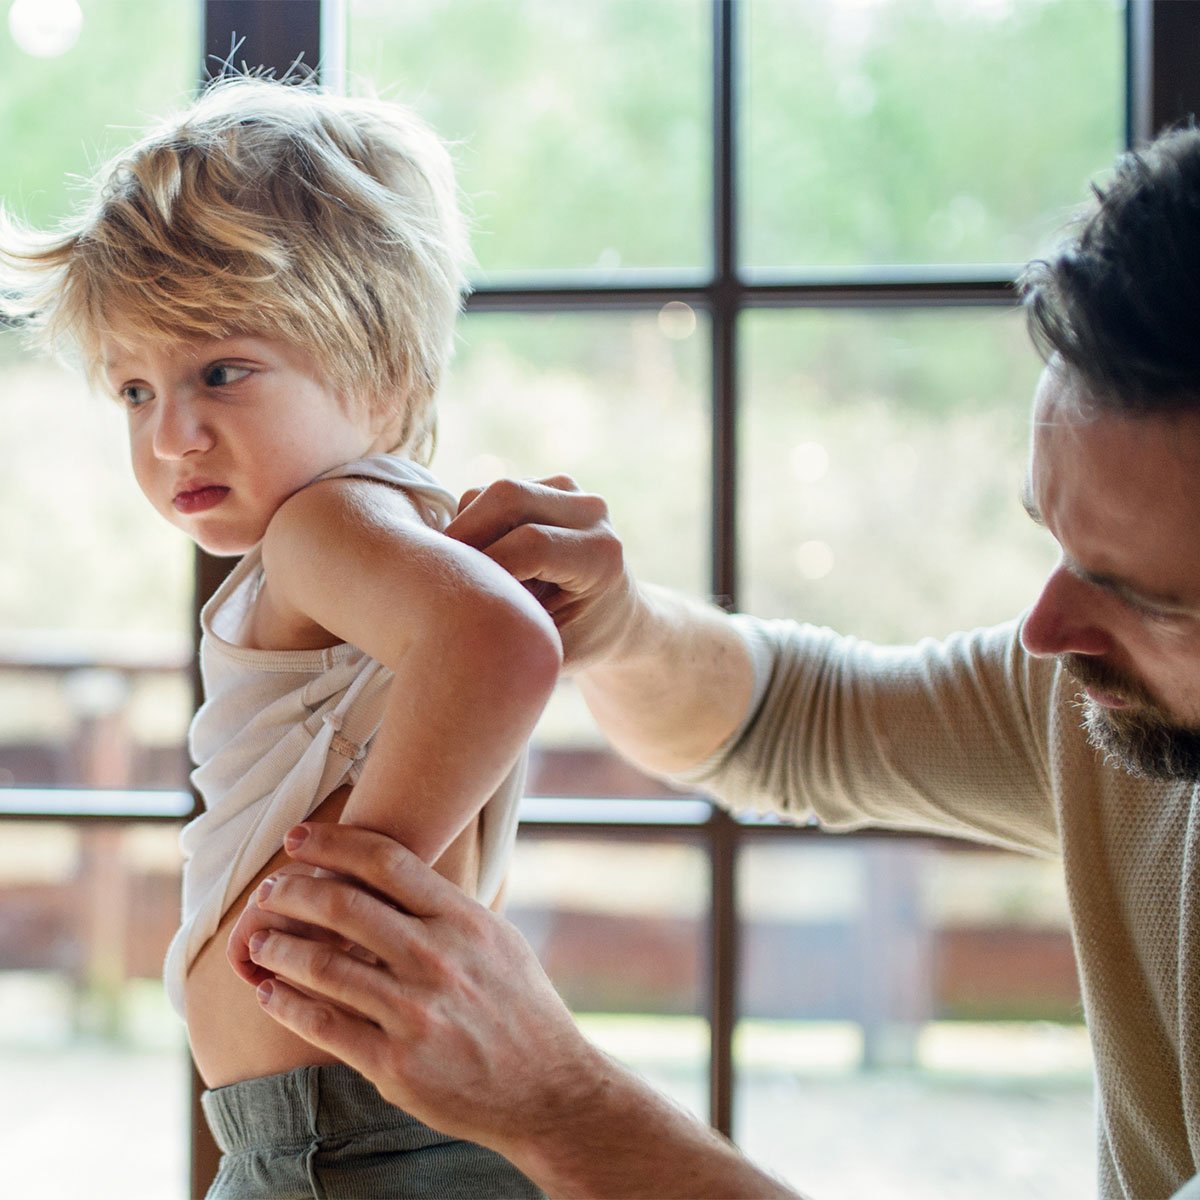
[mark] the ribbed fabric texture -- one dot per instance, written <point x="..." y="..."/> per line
<point x="973" y="738"/>
<point x="280" y="730"/>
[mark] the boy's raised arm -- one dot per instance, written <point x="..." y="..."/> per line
<point x="474" y="655"/>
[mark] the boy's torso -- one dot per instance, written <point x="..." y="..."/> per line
<point x="232" y="1038"/>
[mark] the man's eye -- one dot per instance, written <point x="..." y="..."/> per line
<point x="222" y="375"/>
<point x="1150" y="612"/>
<point x="134" y="395"/>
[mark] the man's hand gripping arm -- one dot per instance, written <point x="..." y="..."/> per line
<point x="667" y="679"/>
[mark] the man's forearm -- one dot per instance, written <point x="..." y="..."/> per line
<point x="677" y="685"/>
<point x="623" y="1139"/>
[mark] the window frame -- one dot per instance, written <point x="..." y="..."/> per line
<point x="1162" y="44"/>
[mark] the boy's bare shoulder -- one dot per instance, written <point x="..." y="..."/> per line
<point x="340" y="553"/>
<point x="338" y="524"/>
<point x="342" y="516"/>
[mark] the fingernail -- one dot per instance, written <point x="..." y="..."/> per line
<point x="256" y="941"/>
<point x="265" y="989"/>
<point x="264" y="888"/>
<point x="295" y="837"/>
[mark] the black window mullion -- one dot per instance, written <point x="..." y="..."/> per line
<point x="274" y="36"/>
<point x="722" y="830"/>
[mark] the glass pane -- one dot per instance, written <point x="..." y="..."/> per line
<point x="619" y="402"/>
<point x="90" y="1052"/>
<point x="628" y="959"/>
<point x="95" y="591"/>
<point x="882" y="461"/>
<point x="581" y="128"/>
<point x="882" y="977"/>
<point x="913" y="131"/>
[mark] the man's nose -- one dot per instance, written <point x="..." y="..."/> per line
<point x="179" y="428"/>
<point x="1067" y="618"/>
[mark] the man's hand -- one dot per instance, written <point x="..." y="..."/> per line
<point x="448" y="1012"/>
<point x="558" y="541"/>
<point x="255" y="918"/>
<point x="450" y="1015"/>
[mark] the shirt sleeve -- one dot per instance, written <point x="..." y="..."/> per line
<point x="948" y="737"/>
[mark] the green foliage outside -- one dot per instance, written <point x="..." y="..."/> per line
<point x="924" y="131"/>
<point x="581" y="129"/>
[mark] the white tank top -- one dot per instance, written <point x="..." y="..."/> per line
<point x="279" y="730"/>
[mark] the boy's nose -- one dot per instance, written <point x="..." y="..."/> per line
<point x="1066" y="619"/>
<point x="179" y="429"/>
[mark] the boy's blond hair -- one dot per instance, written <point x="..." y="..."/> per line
<point x="268" y="208"/>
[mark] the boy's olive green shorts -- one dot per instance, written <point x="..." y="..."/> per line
<point x="325" y="1132"/>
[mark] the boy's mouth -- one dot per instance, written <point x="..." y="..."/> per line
<point x="194" y="500"/>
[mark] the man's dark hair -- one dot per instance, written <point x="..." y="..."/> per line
<point x="1119" y="301"/>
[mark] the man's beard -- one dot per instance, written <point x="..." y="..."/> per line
<point x="1143" y="739"/>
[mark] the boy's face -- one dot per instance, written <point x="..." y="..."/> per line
<point x="222" y="432"/>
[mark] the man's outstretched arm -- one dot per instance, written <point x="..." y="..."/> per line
<point x="450" y="1015"/>
<point x="667" y="679"/>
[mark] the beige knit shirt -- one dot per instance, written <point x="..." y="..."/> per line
<point x="973" y="738"/>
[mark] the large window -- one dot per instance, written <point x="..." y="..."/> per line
<point x="745" y="268"/>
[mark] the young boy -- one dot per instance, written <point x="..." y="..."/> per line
<point x="268" y="284"/>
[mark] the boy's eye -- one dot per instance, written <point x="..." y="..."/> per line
<point x="222" y="375"/>
<point x="134" y="395"/>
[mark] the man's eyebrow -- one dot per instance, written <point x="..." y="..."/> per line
<point x="1029" y="504"/>
<point x="1124" y="590"/>
<point x="1114" y="585"/>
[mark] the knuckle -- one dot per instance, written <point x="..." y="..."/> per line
<point x="418" y="1024"/>
<point x="611" y="552"/>
<point x="436" y="967"/>
<point x="348" y="905"/>
<point x="530" y="538"/>
<point x="476" y="924"/>
<point x="395" y="1059"/>
<point x="507" y="490"/>
<point x="324" y="961"/>
<point x="594" y="507"/>
<point x="383" y="860"/>
<point x="319" y="1020"/>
